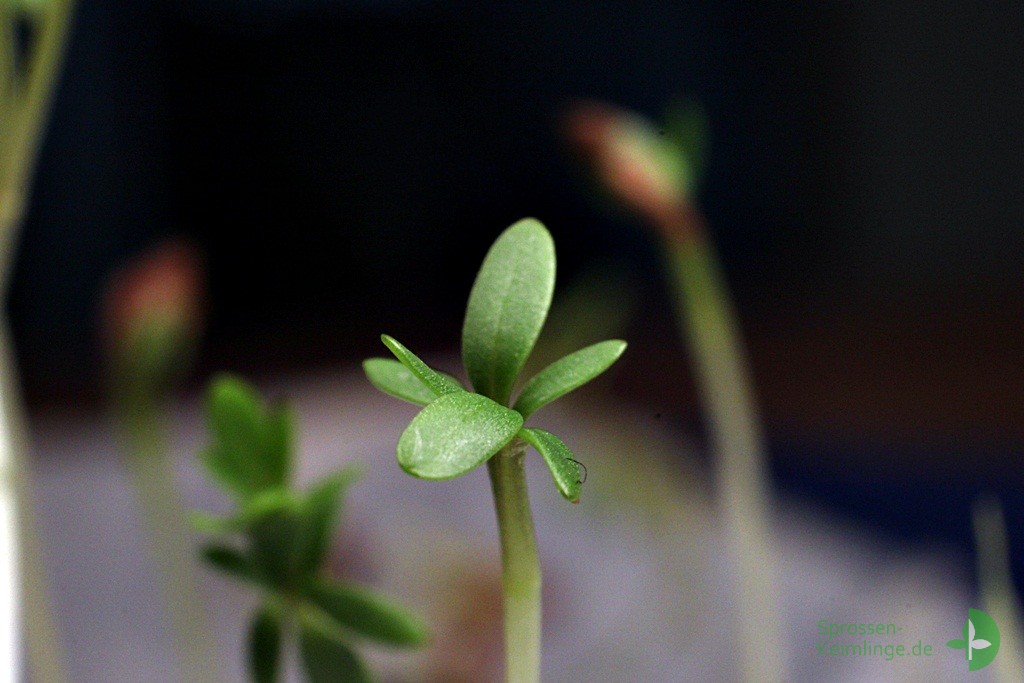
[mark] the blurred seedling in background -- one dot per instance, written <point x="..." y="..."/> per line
<point x="458" y="430"/>
<point x="997" y="592"/>
<point x="278" y="540"/>
<point x="152" y="320"/>
<point x="33" y="36"/>
<point x="654" y="172"/>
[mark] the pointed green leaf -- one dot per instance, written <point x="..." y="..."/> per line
<point x="250" y="449"/>
<point x="265" y="645"/>
<point x="571" y="372"/>
<point x="454" y="434"/>
<point x="230" y="561"/>
<point x="233" y="414"/>
<point x="252" y="509"/>
<point x="557" y="455"/>
<point x="212" y="524"/>
<point x="263" y="504"/>
<point x="437" y="383"/>
<point x="278" y="434"/>
<point x="957" y="644"/>
<point x="368" y="613"/>
<point x="507" y="307"/>
<point x="275" y="537"/>
<point x="319" y="515"/>
<point x="326" y="657"/>
<point x="393" y="378"/>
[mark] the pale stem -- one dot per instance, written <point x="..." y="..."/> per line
<point x="24" y="593"/>
<point x="709" y="323"/>
<point x="24" y="105"/>
<point x="997" y="591"/>
<point x="521" y="576"/>
<point x="170" y="540"/>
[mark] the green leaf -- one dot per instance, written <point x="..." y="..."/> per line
<point x="564" y="469"/>
<point x="212" y="524"/>
<point x="319" y="514"/>
<point x="393" y="378"/>
<point x="278" y="442"/>
<point x="438" y="384"/>
<point x="454" y="434"/>
<point x="250" y="448"/>
<point x="326" y="657"/>
<point x="275" y="542"/>
<point x="507" y="307"/>
<point x="265" y="645"/>
<point x="230" y="561"/>
<point x="571" y="372"/>
<point x="368" y="613"/>
<point x="253" y="508"/>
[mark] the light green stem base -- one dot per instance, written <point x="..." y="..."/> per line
<point x="708" y="323"/>
<point x="521" y="576"/>
<point x="27" y="568"/>
<point x="171" y="544"/>
<point x="25" y="96"/>
<point x="997" y="591"/>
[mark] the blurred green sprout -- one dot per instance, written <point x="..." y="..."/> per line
<point x="278" y="539"/>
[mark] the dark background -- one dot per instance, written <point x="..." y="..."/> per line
<point x="344" y="165"/>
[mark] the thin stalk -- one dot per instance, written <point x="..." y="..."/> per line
<point x="170" y="540"/>
<point x="8" y="62"/>
<point x="23" y="572"/>
<point x="520" y="565"/>
<point x="707" y="320"/>
<point x="997" y="591"/>
<point x="34" y="94"/>
<point x="24" y="106"/>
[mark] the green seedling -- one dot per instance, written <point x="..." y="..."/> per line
<point x="278" y="539"/>
<point x="458" y="430"/>
<point x="653" y="171"/>
<point x="151" y="324"/>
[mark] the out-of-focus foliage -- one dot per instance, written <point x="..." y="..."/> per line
<point x="278" y="539"/>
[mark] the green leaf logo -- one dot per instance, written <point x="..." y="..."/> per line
<point x="981" y="640"/>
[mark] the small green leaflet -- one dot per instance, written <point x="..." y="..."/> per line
<point x="252" y="509"/>
<point x="567" y="374"/>
<point x="454" y="434"/>
<point x="557" y="455"/>
<point x="435" y="381"/>
<point x="507" y="307"/>
<point x="318" y="515"/>
<point x="367" y="613"/>
<point x="265" y="645"/>
<point x="250" y="449"/>
<point x="275" y="543"/>
<point x="326" y="656"/>
<point x="230" y="561"/>
<point x="392" y="377"/>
